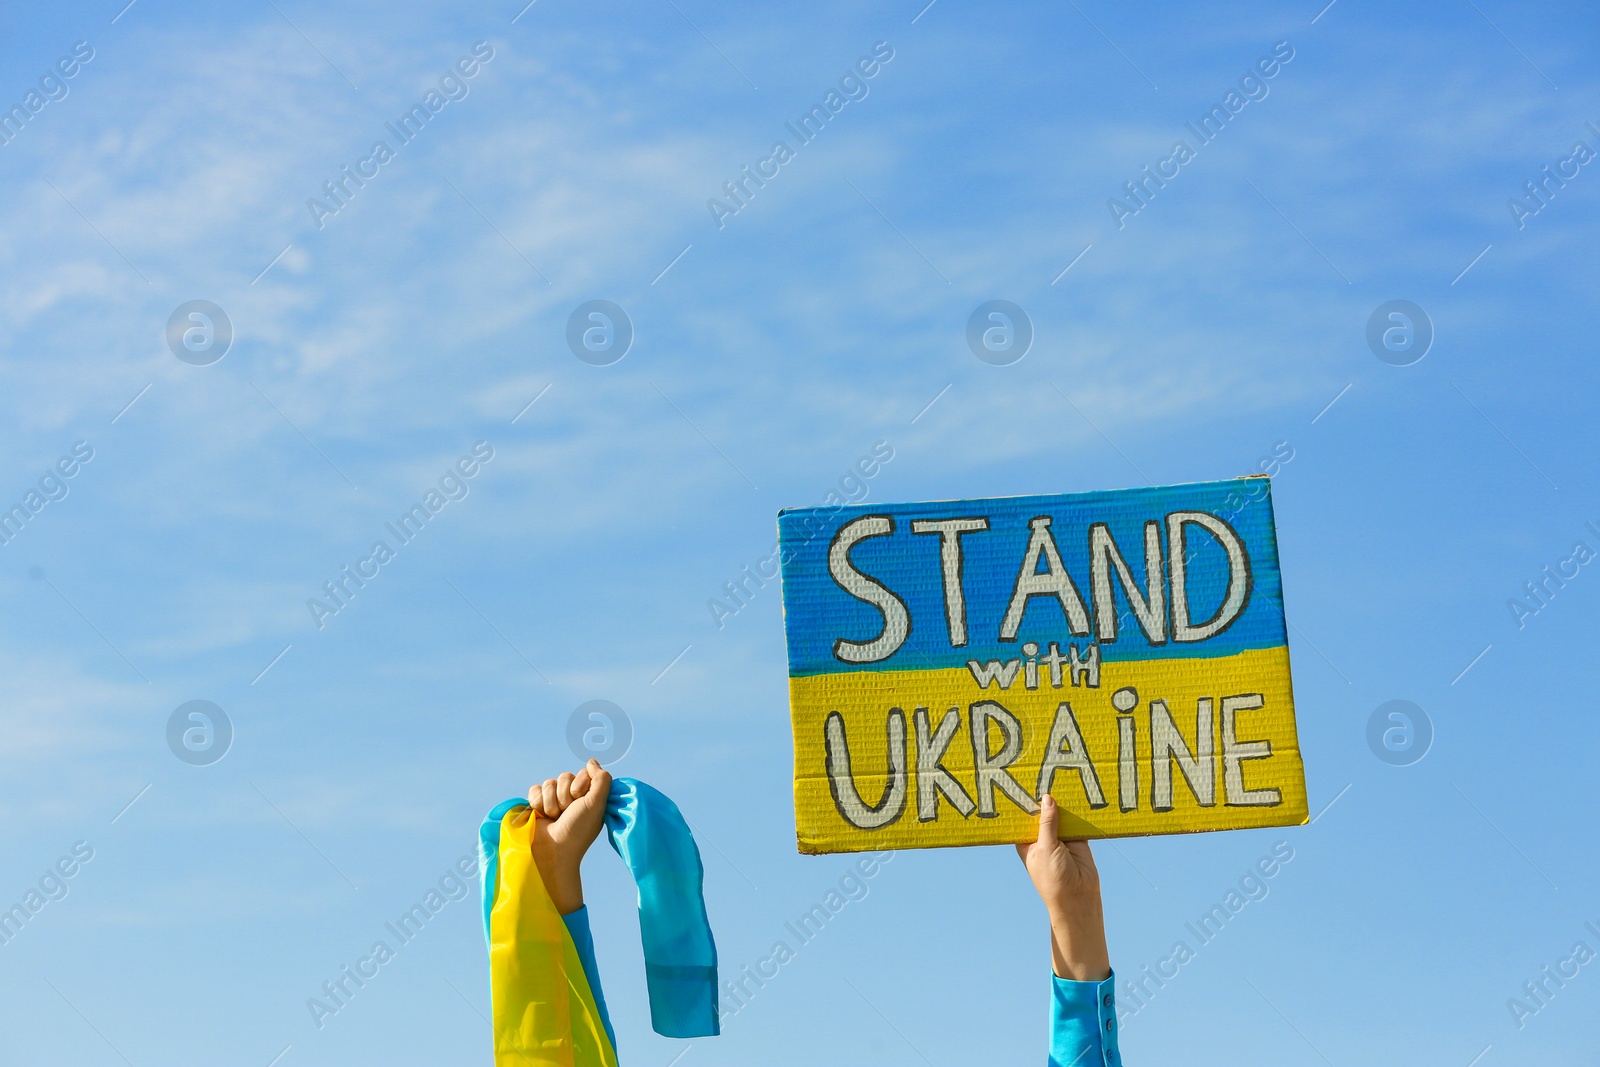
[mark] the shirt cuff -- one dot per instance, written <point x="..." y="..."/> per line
<point x="578" y="920"/>
<point x="582" y="940"/>
<point x="1084" y="1024"/>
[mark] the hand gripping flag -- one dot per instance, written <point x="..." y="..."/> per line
<point x="544" y="1012"/>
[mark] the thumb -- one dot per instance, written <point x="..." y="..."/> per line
<point x="1049" y="821"/>
<point x="599" y="791"/>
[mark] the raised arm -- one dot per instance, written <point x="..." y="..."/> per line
<point x="569" y="811"/>
<point x="1083" y="1002"/>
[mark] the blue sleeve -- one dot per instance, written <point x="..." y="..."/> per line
<point x="1083" y="1024"/>
<point x="578" y="926"/>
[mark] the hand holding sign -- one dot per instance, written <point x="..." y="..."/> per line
<point x="1064" y="874"/>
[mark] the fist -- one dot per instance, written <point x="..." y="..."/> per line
<point x="568" y="813"/>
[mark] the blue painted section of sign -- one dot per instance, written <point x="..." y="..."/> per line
<point x="819" y="611"/>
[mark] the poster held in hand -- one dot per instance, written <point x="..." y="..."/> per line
<point x="1125" y="651"/>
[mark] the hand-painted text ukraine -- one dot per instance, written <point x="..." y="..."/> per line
<point x="1163" y="612"/>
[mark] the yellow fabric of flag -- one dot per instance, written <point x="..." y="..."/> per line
<point x="544" y="1013"/>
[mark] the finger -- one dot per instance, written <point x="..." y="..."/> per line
<point x="564" y="789"/>
<point x="599" y="790"/>
<point x="536" y="799"/>
<point x="580" y="783"/>
<point x="1049" y="820"/>
<point x="552" y="806"/>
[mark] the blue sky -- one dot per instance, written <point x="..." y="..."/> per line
<point x="1222" y="324"/>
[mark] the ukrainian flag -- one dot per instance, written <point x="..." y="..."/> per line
<point x="544" y="1012"/>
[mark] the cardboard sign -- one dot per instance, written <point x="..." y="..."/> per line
<point x="951" y="661"/>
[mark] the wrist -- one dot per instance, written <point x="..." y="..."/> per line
<point x="1081" y="960"/>
<point x="1078" y="943"/>
<point x="1075" y="910"/>
<point x="563" y="883"/>
<point x="567" y="898"/>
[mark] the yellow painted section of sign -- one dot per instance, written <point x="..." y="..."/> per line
<point x="1225" y="726"/>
